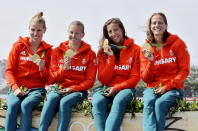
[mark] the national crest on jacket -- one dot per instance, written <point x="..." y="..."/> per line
<point x="83" y="61"/>
<point x="130" y="60"/>
<point x="171" y="52"/>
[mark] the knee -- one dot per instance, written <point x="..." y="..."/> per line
<point x="149" y="102"/>
<point x="122" y="99"/>
<point x="51" y="99"/>
<point x="98" y="102"/>
<point x="65" y="104"/>
<point x="13" y="107"/>
<point x="99" y="106"/>
<point x="25" y="105"/>
<point x="14" y="104"/>
<point x="160" y="106"/>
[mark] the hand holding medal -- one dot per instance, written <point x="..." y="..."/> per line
<point x="67" y="58"/>
<point x="107" y="48"/>
<point x="35" y="57"/>
<point x="147" y="51"/>
<point x="69" y="53"/>
<point x="37" y="60"/>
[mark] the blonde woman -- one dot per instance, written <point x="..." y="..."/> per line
<point x="73" y="70"/>
<point x="26" y="73"/>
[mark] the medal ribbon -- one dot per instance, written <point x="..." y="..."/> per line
<point x="118" y="47"/>
<point x="156" y="44"/>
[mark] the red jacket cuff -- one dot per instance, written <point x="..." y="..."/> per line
<point x="75" y="88"/>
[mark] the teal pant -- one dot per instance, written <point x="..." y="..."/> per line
<point x="156" y="108"/>
<point x="64" y="104"/>
<point x="112" y="121"/>
<point x="24" y="105"/>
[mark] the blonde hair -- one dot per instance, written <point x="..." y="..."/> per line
<point x="38" y="19"/>
<point x="78" y="23"/>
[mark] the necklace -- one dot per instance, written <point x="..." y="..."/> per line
<point x="65" y="54"/>
<point x="33" y="50"/>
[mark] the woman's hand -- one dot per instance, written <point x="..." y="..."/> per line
<point x="67" y="62"/>
<point x="19" y="92"/>
<point x="40" y="63"/>
<point x="159" y="91"/>
<point x="107" y="49"/>
<point x="111" y="91"/>
<point x="67" y="91"/>
<point x="148" y="54"/>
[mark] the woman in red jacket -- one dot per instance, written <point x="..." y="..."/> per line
<point x="26" y="72"/>
<point x="73" y="69"/>
<point x="119" y="72"/>
<point x="165" y="64"/>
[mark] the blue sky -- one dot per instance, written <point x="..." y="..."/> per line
<point x="182" y="18"/>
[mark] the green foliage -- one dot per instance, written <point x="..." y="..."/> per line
<point x="104" y="91"/>
<point x="134" y="106"/>
<point x="39" y="107"/>
<point x="191" y="83"/>
<point x="3" y="104"/>
<point x="183" y="105"/>
<point x="85" y="108"/>
<point x="194" y="106"/>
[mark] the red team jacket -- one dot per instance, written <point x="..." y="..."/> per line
<point x="82" y="72"/>
<point x="20" y="70"/>
<point x="121" y="74"/>
<point x="170" y="67"/>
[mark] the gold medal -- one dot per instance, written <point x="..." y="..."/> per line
<point x="35" y="57"/>
<point x="70" y="53"/>
<point x="147" y="46"/>
<point x="106" y="41"/>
